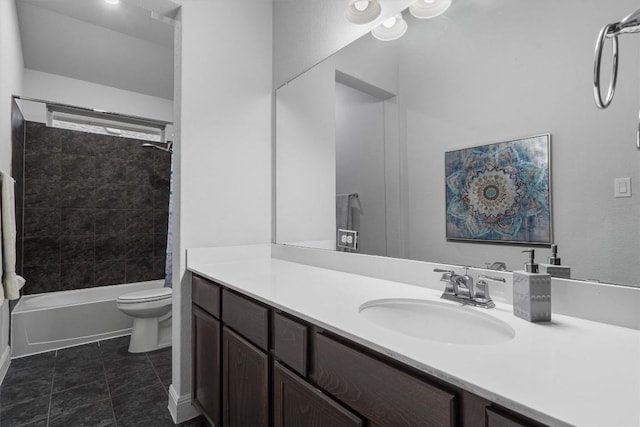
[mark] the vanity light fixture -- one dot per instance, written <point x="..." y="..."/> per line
<point x="363" y="11"/>
<point x="425" y="9"/>
<point x="112" y="1"/>
<point x="390" y="29"/>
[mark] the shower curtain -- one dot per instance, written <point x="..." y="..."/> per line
<point x="169" y="261"/>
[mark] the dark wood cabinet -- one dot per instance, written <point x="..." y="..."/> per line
<point x="382" y="393"/>
<point x="256" y="366"/>
<point x="247" y="318"/>
<point x="297" y="403"/>
<point x="290" y="340"/>
<point x="245" y="382"/>
<point x="206" y="365"/>
<point x="498" y="418"/>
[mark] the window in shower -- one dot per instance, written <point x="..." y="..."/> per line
<point x="104" y="123"/>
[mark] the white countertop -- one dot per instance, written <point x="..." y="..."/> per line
<point x="567" y="372"/>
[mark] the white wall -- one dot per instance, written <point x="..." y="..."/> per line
<point x="65" y="90"/>
<point x="223" y="151"/>
<point x="306" y="158"/>
<point x="360" y="164"/>
<point x="10" y="84"/>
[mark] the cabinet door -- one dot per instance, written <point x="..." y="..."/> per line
<point x="206" y="365"/>
<point x="245" y="382"/>
<point x="297" y="403"/>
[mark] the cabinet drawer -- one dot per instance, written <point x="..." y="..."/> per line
<point x="206" y="294"/>
<point x="249" y="319"/>
<point x="496" y="418"/>
<point x="379" y="392"/>
<point x="290" y="343"/>
<point x="297" y="403"/>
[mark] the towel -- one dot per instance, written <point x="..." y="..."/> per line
<point x="10" y="281"/>
<point x="343" y="206"/>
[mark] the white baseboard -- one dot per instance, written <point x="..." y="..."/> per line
<point x="5" y="360"/>
<point x="180" y="406"/>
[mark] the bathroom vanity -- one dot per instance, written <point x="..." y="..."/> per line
<point x="282" y="343"/>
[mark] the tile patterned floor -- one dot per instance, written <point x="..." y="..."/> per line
<point x="94" y="385"/>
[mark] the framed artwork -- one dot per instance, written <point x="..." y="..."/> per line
<point x="500" y="193"/>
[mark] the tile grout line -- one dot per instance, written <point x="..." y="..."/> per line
<point x="155" y="371"/>
<point x="53" y="376"/>
<point x="104" y="372"/>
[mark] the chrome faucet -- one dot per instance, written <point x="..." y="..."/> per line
<point x="460" y="288"/>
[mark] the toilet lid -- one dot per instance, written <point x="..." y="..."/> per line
<point x="145" y="296"/>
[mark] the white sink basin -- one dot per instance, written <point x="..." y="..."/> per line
<point x="437" y="321"/>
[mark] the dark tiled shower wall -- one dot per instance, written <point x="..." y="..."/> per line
<point x="18" y="125"/>
<point x="95" y="210"/>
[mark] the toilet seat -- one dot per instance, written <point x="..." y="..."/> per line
<point x="148" y="295"/>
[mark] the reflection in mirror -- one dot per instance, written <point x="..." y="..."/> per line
<point x="377" y="117"/>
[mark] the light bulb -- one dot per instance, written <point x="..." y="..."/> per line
<point x="363" y="11"/>
<point x="361" y="5"/>
<point x="389" y="22"/>
<point x="390" y="29"/>
<point x="425" y="9"/>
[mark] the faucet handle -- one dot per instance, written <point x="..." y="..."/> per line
<point x="446" y="277"/>
<point x="492" y="278"/>
<point x="482" y="289"/>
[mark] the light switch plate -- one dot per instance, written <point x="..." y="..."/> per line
<point x="622" y="187"/>
<point x="347" y="239"/>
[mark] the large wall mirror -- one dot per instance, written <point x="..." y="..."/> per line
<point x="372" y="123"/>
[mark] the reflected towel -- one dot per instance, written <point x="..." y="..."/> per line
<point x="343" y="207"/>
<point x="10" y="281"/>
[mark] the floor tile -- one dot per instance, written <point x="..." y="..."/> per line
<point x="114" y="343"/>
<point x="26" y="412"/>
<point x="26" y="384"/>
<point x="195" y="422"/>
<point x="161" y="361"/>
<point x="44" y="360"/>
<point x="66" y="377"/>
<point x="97" y="414"/>
<point x="143" y="407"/>
<point x="80" y="356"/>
<point x="89" y="385"/>
<point x="66" y="401"/>
<point x="41" y="423"/>
<point x="126" y="375"/>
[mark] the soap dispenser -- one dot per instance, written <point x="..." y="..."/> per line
<point x="532" y="292"/>
<point x="554" y="268"/>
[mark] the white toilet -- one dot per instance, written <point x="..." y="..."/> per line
<point x="151" y="312"/>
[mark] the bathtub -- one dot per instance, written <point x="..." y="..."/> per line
<point x="54" y="320"/>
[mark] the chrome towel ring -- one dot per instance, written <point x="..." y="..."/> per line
<point x="629" y="24"/>
<point x="604" y="33"/>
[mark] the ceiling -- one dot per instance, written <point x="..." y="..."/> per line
<point x="128" y="46"/>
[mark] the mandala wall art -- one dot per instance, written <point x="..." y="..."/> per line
<point x="500" y="192"/>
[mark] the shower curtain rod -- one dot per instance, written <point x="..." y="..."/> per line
<point x="141" y="120"/>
